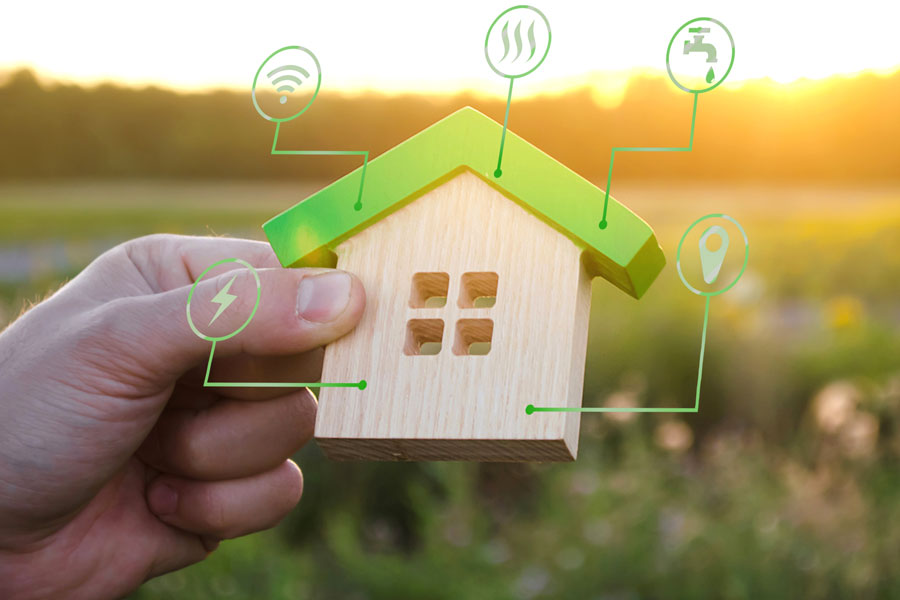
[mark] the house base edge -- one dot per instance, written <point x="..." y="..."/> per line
<point x="474" y="450"/>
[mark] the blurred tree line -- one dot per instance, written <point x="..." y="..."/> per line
<point x="835" y="129"/>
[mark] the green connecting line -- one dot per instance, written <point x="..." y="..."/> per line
<point x="363" y="153"/>
<point x="498" y="172"/>
<point x="612" y="159"/>
<point x="358" y="206"/>
<point x="362" y="384"/>
<point x="531" y="409"/>
<point x="702" y="353"/>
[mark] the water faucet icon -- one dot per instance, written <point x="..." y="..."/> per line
<point x="698" y="45"/>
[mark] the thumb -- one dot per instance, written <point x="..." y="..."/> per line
<point x="277" y="311"/>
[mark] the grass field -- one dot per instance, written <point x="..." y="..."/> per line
<point x="785" y="484"/>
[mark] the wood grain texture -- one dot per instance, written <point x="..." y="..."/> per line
<point x="449" y="406"/>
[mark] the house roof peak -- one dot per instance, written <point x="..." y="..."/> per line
<point x="626" y="253"/>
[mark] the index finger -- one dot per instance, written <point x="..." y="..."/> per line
<point x="168" y="262"/>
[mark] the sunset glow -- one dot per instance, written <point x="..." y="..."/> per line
<point x="427" y="47"/>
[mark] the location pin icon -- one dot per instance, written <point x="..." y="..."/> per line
<point x="711" y="260"/>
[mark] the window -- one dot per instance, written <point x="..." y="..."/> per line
<point x="478" y="290"/>
<point x="429" y="290"/>
<point x="423" y="337"/>
<point x="473" y="337"/>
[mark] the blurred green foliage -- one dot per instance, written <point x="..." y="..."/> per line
<point x="784" y="486"/>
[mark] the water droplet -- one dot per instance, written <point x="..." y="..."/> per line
<point x="710" y="75"/>
<point x="284" y="98"/>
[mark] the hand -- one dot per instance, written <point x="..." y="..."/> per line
<point x="116" y="464"/>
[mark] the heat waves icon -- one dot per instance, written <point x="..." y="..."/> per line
<point x="504" y="36"/>
<point x="518" y="41"/>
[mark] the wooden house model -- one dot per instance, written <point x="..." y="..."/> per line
<point x="479" y="291"/>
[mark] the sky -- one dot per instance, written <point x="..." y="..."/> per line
<point x="428" y="46"/>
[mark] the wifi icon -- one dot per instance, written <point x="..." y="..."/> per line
<point x="286" y="72"/>
<point x="288" y="82"/>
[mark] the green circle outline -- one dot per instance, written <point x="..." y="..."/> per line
<point x="308" y="104"/>
<point x="739" y="275"/>
<point x="669" y="50"/>
<point x="208" y="338"/>
<point x="491" y="28"/>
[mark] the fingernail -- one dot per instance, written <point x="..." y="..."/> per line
<point x="322" y="298"/>
<point x="163" y="500"/>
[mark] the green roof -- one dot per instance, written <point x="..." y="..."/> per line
<point x="626" y="253"/>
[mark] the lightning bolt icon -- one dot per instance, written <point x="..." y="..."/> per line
<point x="223" y="299"/>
